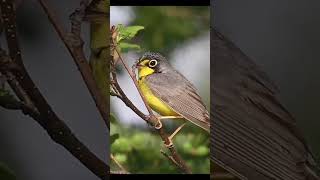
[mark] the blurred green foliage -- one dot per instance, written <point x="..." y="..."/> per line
<point x="168" y="26"/>
<point x="137" y="148"/>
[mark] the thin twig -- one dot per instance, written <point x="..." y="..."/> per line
<point x="55" y="127"/>
<point x="124" y="97"/>
<point x="76" y="51"/>
<point x="170" y="158"/>
<point x="118" y="164"/>
<point x="26" y="102"/>
<point x="151" y="118"/>
<point x="45" y="116"/>
<point x="133" y="77"/>
<point x="115" y="94"/>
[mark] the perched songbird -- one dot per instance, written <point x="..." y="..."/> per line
<point x="253" y="135"/>
<point x="169" y="93"/>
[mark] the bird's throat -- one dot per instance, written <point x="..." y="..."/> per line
<point x="144" y="71"/>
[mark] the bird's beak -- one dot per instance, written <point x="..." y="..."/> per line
<point x="137" y="65"/>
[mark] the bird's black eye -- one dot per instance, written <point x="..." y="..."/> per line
<point x="153" y="63"/>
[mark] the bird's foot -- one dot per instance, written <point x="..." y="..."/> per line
<point x="170" y="144"/>
<point x="170" y="117"/>
<point x="154" y="121"/>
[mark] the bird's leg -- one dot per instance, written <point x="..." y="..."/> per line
<point x="170" y="117"/>
<point x="173" y="134"/>
<point x="154" y="119"/>
<point x="159" y="124"/>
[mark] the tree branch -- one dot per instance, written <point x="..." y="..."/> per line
<point x="179" y="162"/>
<point x="17" y="77"/>
<point x="76" y="51"/>
<point x="124" y="97"/>
<point x="174" y="162"/>
<point x="118" y="164"/>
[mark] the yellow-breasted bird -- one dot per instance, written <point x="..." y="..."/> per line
<point x="169" y="93"/>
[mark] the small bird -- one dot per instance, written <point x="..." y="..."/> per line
<point x="169" y="93"/>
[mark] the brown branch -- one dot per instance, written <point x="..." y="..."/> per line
<point x="118" y="164"/>
<point x="76" y="51"/>
<point x="133" y="77"/>
<point x="124" y="97"/>
<point x="25" y="104"/>
<point x="173" y="161"/>
<point x="18" y="78"/>
<point x="115" y="94"/>
<point x="56" y="128"/>
<point x="151" y="118"/>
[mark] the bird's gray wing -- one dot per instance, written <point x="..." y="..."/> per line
<point x="179" y="94"/>
<point x="252" y="133"/>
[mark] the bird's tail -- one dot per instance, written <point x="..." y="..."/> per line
<point x="312" y="169"/>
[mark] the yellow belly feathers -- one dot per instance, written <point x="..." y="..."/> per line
<point x="154" y="102"/>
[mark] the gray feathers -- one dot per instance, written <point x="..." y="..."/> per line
<point x="252" y="133"/>
<point x="178" y="93"/>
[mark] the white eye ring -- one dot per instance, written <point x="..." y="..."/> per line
<point x="153" y="63"/>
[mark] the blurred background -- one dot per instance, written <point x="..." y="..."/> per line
<point x="182" y="35"/>
<point x="283" y="38"/>
<point x="24" y="146"/>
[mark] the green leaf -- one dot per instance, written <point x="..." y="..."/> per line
<point x="125" y="47"/>
<point x="127" y="33"/>
<point x="114" y="137"/>
<point x="6" y="173"/>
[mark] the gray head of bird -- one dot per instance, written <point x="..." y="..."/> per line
<point x="153" y="60"/>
